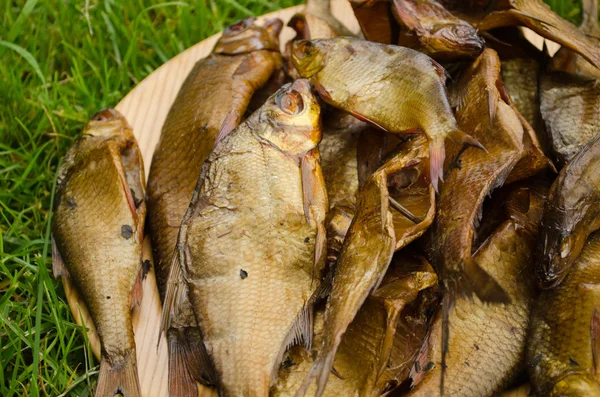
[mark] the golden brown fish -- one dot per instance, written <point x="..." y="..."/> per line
<point x="537" y="16"/>
<point x="363" y="358"/>
<point x="216" y="94"/>
<point x="570" y="106"/>
<point x="484" y="109"/>
<point x="376" y="20"/>
<point x="252" y="239"/>
<point x="567" y="60"/>
<point x="97" y="234"/>
<point x="376" y="232"/>
<point x="571" y="214"/>
<point x="564" y="342"/>
<point x="402" y="92"/>
<point x="427" y="26"/>
<point x="487" y="345"/>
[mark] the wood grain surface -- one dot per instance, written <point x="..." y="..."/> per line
<point x="146" y="108"/>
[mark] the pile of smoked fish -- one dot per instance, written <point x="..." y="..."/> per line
<point x="406" y="211"/>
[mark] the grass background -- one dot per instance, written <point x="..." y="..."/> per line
<point x="60" y="61"/>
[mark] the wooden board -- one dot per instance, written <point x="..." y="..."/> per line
<point x="146" y="108"/>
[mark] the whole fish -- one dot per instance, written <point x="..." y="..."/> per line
<point x="363" y="359"/>
<point x="570" y="106"/>
<point x="97" y="234"/>
<point x="570" y="215"/>
<point x="563" y="346"/>
<point x="378" y="229"/>
<point x="567" y="60"/>
<point x="402" y="92"/>
<point x="216" y="93"/>
<point x="487" y="343"/>
<point x="376" y="20"/>
<point x="430" y="28"/>
<point x="253" y="235"/>
<point x="539" y="17"/>
<point x="485" y="109"/>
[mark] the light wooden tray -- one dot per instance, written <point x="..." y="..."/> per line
<point x="146" y="108"/>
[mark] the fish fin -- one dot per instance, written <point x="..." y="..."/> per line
<point x="315" y="201"/>
<point x="189" y="362"/>
<point x="301" y="332"/>
<point x="58" y="265"/>
<point x="441" y="71"/>
<point x="480" y="283"/>
<point x="437" y="155"/>
<point x="320" y="371"/>
<point x="176" y="289"/>
<point x="135" y="299"/>
<point x="595" y="331"/>
<point x="118" y="378"/>
<point x="229" y="123"/>
<point x="367" y="120"/>
<point x="459" y="136"/>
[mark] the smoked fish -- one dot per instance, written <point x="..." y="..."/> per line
<point x="97" y="235"/>
<point x="403" y="91"/>
<point x="377" y="230"/>
<point x="215" y="96"/>
<point x="250" y="250"/>
<point x="427" y="26"/>
<point x="487" y="343"/>
<point x="570" y="215"/>
<point x="563" y="345"/>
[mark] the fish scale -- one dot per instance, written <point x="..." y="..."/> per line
<point x="560" y="342"/>
<point x="267" y="275"/>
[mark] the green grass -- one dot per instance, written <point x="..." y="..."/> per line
<point x="60" y="61"/>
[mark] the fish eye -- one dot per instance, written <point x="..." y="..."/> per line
<point x="290" y="102"/>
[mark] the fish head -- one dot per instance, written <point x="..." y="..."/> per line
<point x="555" y="253"/>
<point x="309" y="56"/>
<point x="246" y="36"/>
<point x="108" y="124"/>
<point x="291" y="119"/>
<point x="456" y="40"/>
<point x="575" y="385"/>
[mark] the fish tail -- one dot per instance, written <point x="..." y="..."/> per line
<point x="475" y="280"/>
<point x="459" y="136"/>
<point x="118" y="378"/>
<point x="188" y="363"/>
<point x="437" y="155"/>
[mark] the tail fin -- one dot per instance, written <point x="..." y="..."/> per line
<point x="121" y="378"/>
<point x="477" y="281"/>
<point x="459" y="136"/>
<point x="187" y="364"/>
<point x="437" y="155"/>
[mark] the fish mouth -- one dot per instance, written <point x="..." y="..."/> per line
<point x="551" y="273"/>
<point x="106" y="115"/>
<point x="245" y="36"/>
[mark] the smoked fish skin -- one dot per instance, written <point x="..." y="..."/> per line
<point x="97" y="232"/>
